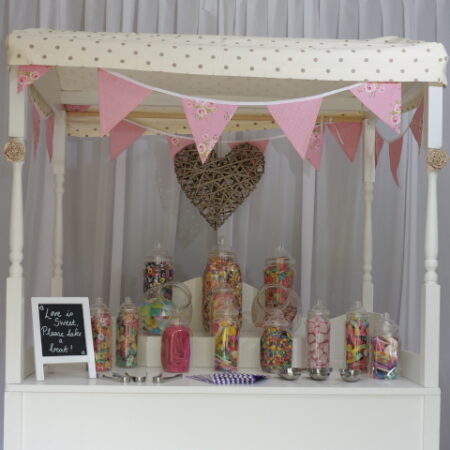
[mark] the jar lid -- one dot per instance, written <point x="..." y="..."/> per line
<point x="222" y="249"/>
<point x="358" y="308"/>
<point x="319" y="309"/>
<point x="99" y="306"/>
<point x="387" y="326"/>
<point x="280" y="255"/>
<point x="158" y="254"/>
<point x="128" y="305"/>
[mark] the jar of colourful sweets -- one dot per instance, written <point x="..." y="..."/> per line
<point x="154" y="311"/>
<point x="318" y="336"/>
<point x="101" y="334"/>
<point x="276" y="339"/>
<point x="225" y="328"/>
<point x="221" y="270"/>
<point x="158" y="269"/>
<point x="127" y="327"/>
<point x="280" y="269"/>
<point x="175" y="342"/>
<point x="357" y="339"/>
<point x="385" y="349"/>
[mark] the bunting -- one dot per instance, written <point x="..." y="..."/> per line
<point x="347" y="135"/>
<point x="177" y="143"/>
<point x="207" y="121"/>
<point x="395" y="151"/>
<point x="117" y="97"/>
<point x="384" y="100"/>
<point x="297" y="120"/>
<point x="417" y="124"/>
<point x="122" y="136"/>
<point x="29" y="74"/>
<point x="315" y="147"/>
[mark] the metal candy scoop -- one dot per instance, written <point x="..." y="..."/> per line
<point x="116" y="377"/>
<point x="160" y="379"/>
<point x="137" y="378"/>
<point x="290" y="373"/>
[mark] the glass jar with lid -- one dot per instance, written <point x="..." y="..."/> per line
<point x="221" y="270"/>
<point x="385" y="349"/>
<point x="357" y="338"/>
<point x="225" y="329"/>
<point x="318" y="336"/>
<point x="101" y="334"/>
<point x="175" y="342"/>
<point x="127" y="327"/>
<point x="158" y="270"/>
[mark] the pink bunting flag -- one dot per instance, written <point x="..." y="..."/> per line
<point x="122" y="136"/>
<point x="347" y="135"/>
<point x="117" y="97"/>
<point x="207" y="121"/>
<point x="379" y="141"/>
<point x="384" y="100"/>
<point x="395" y="151"/>
<point x="176" y="144"/>
<point x="36" y="121"/>
<point x="417" y="124"/>
<point x="260" y="145"/>
<point x="315" y="147"/>
<point x="297" y="120"/>
<point x="30" y="73"/>
<point x="76" y="108"/>
<point x="49" y="130"/>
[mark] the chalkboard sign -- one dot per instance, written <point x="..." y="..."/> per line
<point x="62" y="332"/>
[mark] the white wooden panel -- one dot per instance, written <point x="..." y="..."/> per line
<point x="410" y="365"/>
<point x="431" y="422"/>
<point x="12" y="434"/>
<point x="216" y="421"/>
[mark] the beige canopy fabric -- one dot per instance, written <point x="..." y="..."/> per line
<point x="229" y="68"/>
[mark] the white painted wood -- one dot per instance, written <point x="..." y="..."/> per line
<point x="254" y="419"/>
<point x="410" y="365"/>
<point x="12" y="431"/>
<point x="39" y="359"/>
<point x="369" y="180"/>
<point x="115" y="283"/>
<point x="16" y="106"/>
<point x="431" y="422"/>
<point x="58" y="164"/>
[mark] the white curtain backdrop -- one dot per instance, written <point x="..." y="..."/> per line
<point x="318" y="217"/>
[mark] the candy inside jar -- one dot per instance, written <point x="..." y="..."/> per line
<point x="101" y="334"/>
<point x="175" y="343"/>
<point x="357" y="339"/>
<point x="225" y="328"/>
<point x="318" y="336"/>
<point x="385" y="350"/>
<point x="127" y="327"/>
<point x="276" y="340"/>
<point x="220" y="270"/>
<point x="158" y="270"/>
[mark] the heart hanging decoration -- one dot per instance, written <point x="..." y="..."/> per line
<point x="220" y="185"/>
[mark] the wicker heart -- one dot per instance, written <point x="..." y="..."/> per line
<point x="218" y="187"/>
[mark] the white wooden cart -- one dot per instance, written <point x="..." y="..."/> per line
<point x="69" y="411"/>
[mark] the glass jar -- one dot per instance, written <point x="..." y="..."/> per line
<point x="101" y="334"/>
<point x="318" y="336"/>
<point x="221" y="269"/>
<point x="225" y="328"/>
<point x="280" y="269"/>
<point x="158" y="270"/>
<point x="154" y="312"/>
<point x="357" y="339"/>
<point x="385" y="349"/>
<point x="175" y="342"/>
<point x="276" y="345"/>
<point x="127" y="327"/>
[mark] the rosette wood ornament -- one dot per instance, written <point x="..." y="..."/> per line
<point x="14" y="150"/>
<point x="437" y="158"/>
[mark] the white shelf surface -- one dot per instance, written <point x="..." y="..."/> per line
<point x="77" y="381"/>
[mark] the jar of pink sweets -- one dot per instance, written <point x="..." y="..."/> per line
<point x="318" y="336"/>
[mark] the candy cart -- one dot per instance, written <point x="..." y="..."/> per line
<point x="71" y="411"/>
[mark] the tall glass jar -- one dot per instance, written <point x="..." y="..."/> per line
<point x="280" y="269"/>
<point x="385" y="349"/>
<point x="225" y="328"/>
<point x="101" y="334"/>
<point x="357" y="339"/>
<point x="221" y="269"/>
<point x="318" y="336"/>
<point x="158" y="270"/>
<point x="175" y="342"/>
<point x="127" y="327"/>
<point x="154" y="312"/>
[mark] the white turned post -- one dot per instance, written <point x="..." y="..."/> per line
<point x="58" y="164"/>
<point x="14" y="283"/>
<point x="429" y="343"/>
<point x="369" y="180"/>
